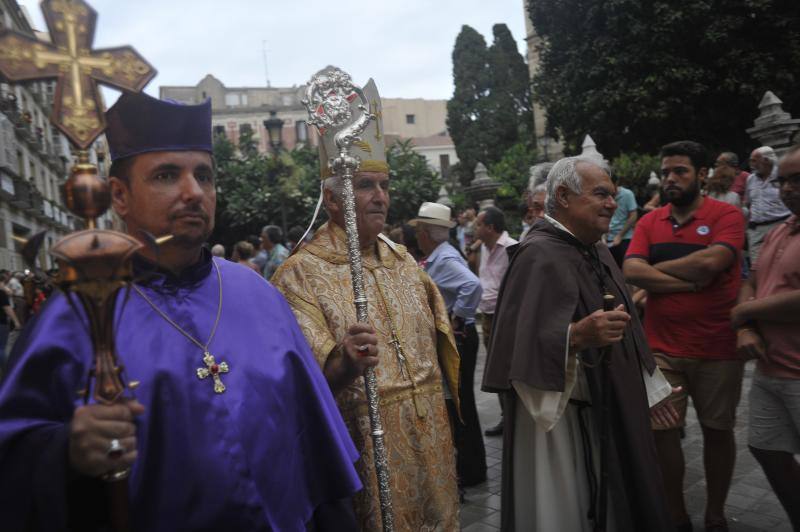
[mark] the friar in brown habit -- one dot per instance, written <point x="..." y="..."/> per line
<point x="574" y="374"/>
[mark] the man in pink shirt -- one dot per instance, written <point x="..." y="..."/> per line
<point x="767" y="319"/>
<point x="490" y="229"/>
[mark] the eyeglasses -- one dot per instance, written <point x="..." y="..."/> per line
<point x="793" y="180"/>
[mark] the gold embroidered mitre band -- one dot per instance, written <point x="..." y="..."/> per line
<point x="371" y="148"/>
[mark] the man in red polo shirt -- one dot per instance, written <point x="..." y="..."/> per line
<point x="687" y="256"/>
<point x="767" y="319"/>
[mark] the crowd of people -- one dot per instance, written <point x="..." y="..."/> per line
<point x="249" y="411"/>
<point x="689" y="256"/>
<point x="22" y="296"/>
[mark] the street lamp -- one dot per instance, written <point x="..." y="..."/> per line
<point x="274" y="125"/>
<point x="544" y="144"/>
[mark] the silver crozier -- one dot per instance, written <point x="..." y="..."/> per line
<point x="328" y="97"/>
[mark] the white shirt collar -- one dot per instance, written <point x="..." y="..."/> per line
<point x="558" y="224"/>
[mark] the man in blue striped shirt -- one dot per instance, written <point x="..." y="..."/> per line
<point x="461" y="291"/>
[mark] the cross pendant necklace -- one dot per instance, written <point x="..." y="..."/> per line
<point x="213" y="368"/>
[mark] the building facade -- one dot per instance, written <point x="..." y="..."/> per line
<point x="424" y="123"/>
<point x="410" y="118"/>
<point x="235" y="110"/>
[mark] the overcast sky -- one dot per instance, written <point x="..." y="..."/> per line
<point x="406" y="45"/>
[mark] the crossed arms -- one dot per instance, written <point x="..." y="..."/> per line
<point x="686" y="274"/>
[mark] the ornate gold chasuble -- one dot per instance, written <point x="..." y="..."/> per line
<point x="404" y="306"/>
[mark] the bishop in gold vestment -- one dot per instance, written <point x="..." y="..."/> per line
<point x="407" y="335"/>
<point x="405" y="305"/>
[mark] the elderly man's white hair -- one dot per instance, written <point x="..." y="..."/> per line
<point x="334" y="184"/>
<point x="437" y="233"/>
<point x="541" y="187"/>
<point x="565" y="173"/>
<point x="538" y="175"/>
<point x="767" y="153"/>
<point x="218" y="250"/>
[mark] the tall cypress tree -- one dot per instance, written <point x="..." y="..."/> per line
<point x="510" y="117"/>
<point x="467" y="108"/>
<point x="491" y="106"/>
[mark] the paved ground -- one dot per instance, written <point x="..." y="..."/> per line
<point x="751" y="504"/>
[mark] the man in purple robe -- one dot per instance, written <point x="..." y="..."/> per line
<point x="233" y="428"/>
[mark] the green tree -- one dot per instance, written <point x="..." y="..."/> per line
<point x="637" y="75"/>
<point x="490" y="110"/>
<point x="633" y="170"/>
<point x="512" y="172"/>
<point x="467" y="108"/>
<point x="510" y="116"/>
<point x="412" y="181"/>
<point x="254" y="189"/>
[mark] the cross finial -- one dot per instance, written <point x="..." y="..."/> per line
<point x="78" y="109"/>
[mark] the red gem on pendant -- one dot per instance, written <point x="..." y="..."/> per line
<point x="214" y="369"/>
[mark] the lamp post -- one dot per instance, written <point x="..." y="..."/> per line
<point x="274" y="126"/>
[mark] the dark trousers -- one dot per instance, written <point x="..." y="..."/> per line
<point x="486" y="324"/>
<point x="468" y="437"/>
<point x="618" y="252"/>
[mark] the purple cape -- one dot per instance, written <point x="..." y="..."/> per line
<point x="263" y="455"/>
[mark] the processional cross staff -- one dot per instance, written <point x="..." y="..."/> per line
<point x="328" y="100"/>
<point x="94" y="265"/>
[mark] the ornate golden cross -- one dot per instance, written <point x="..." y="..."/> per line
<point x="78" y="109"/>
<point x="213" y="370"/>
<point x="373" y="109"/>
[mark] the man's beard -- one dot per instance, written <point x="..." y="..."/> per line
<point x="192" y="238"/>
<point x="687" y="196"/>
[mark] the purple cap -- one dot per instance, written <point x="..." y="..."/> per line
<point x="139" y="123"/>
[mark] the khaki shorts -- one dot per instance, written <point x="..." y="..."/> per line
<point x="715" y="387"/>
<point x="774" y="414"/>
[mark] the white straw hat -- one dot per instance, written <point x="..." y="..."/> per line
<point x="433" y="214"/>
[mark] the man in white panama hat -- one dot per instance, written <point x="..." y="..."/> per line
<point x="461" y="291"/>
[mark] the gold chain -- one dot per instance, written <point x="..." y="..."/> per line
<point x="178" y="327"/>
